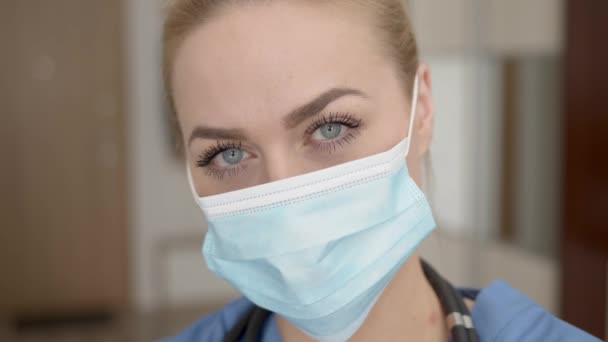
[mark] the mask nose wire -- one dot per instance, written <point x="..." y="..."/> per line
<point x="412" y="115"/>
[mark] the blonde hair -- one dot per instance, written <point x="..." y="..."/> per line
<point x="389" y="17"/>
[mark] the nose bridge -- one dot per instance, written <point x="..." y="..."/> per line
<point x="278" y="163"/>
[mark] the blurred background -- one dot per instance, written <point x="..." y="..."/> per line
<point x="100" y="239"/>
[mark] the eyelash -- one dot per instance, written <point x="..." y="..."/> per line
<point x="353" y="123"/>
<point x="207" y="156"/>
<point x="350" y="121"/>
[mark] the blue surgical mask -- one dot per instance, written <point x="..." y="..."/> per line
<point x="319" y="248"/>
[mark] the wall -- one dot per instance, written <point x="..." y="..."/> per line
<point x="160" y="203"/>
<point x="538" y="149"/>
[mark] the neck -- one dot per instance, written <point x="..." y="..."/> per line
<point x="407" y="310"/>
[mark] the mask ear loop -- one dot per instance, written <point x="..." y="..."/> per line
<point x="412" y="115"/>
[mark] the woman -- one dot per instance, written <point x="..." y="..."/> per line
<point x="305" y="125"/>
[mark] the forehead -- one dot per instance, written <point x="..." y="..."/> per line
<point x="264" y="59"/>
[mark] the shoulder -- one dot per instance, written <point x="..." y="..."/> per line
<point x="213" y="327"/>
<point x="502" y="313"/>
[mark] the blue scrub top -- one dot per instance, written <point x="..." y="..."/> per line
<point x="501" y="313"/>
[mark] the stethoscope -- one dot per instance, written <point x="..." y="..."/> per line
<point x="458" y="317"/>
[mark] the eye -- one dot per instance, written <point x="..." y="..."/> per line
<point x="328" y="131"/>
<point x="223" y="159"/>
<point x="231" y="156"/>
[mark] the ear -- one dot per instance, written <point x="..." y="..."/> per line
<point x="423" y="125"/>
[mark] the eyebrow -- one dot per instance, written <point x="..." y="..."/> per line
<point x="202" y="132"/>
<point x="296" y="116"/>
<point x="291" y="120"/>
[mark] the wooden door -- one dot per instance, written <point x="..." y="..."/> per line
<point x="63" y="236"/>
<point x="585" y="178"/>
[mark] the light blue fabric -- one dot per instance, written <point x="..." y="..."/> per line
<point x="500" y="314"/>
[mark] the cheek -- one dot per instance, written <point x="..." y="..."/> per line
<point x="387" y="129"/>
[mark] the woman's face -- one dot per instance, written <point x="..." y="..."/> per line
<point x="270" y="91"/>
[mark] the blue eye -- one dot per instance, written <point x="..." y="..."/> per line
<point x="332" y="126"/>
<point x="223" y="159"/>
<point x="224" y="154"/>
<point x="330" y="131"/>
<point x="232" y="156"/>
